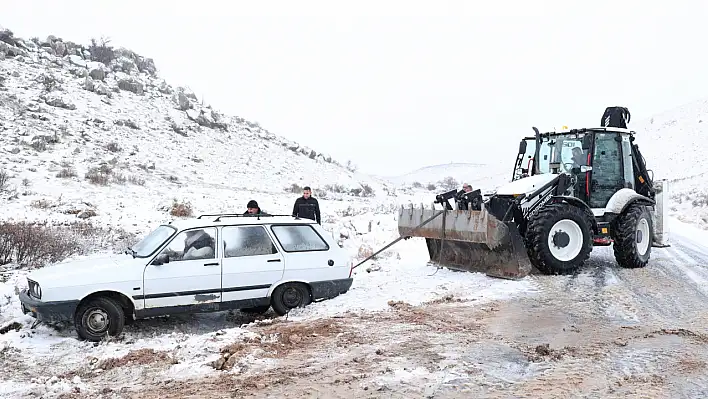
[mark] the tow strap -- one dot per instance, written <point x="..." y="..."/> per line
<point x="430" y="219"/>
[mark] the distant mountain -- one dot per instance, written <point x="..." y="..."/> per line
<point x="478" y="175"/>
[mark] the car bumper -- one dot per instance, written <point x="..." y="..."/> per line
<point x="48" y="312"/>
<point x="330" y="288"/>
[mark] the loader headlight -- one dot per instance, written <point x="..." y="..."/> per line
<point x="34" y="289"/>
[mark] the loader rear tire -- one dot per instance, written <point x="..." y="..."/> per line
<point x="559" y="238"/>
<point x="633" y="237"/>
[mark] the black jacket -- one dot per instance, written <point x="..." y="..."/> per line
<point x="260" y="212"/>
<point x="307" y="209"/>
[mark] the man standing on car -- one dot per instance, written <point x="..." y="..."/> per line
<point x="307" y="207"/>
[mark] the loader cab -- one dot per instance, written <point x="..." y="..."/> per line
<point x="598" y="160"/>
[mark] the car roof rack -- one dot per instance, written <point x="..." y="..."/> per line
<point x="240" y="215"/>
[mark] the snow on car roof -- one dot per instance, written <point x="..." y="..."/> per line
<point x="229" y="220"/>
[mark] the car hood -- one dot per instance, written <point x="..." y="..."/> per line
<point x="88" y="271"/>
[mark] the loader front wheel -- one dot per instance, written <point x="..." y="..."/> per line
<point x="559" y="238"/>
<point x="632" y="237"/>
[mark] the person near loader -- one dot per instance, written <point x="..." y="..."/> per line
<point x="469" y="199"/>
<point x="307" y="207"/>
<point x="578" y="156"/>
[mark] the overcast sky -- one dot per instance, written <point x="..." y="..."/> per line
<point x="394" y="86"/>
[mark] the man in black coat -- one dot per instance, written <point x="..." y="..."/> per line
<point x="253" y="209"/>
<point x="307" y="207"/>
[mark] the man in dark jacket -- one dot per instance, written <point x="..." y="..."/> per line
<point x="307" y="207"/>
<point x="253" y="208"/>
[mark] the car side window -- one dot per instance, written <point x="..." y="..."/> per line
<point x="247" y="241"/>
<point x="299" y="238"/>
<point x="192" y="244"/>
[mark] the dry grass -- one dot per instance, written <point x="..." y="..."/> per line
<point x="279" y="339"/>
<point x="181" y="209"/>
<point x="136" y="357"/>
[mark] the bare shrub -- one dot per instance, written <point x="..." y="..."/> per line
<point x="364" y="251"/>
<point x="4" y="180"/>
<point x="99" y="176"/>
<point x="335" y="188"/>
<point x="41" y="204"/>
<point x="118" y="178"/>
<point x="67" y="172"/>
<point x="181" y="209"/>
<point x="101" y="52"/>
<point x="294" y="188"/>
<point x="113" y="147"/>
<point x="50" y="82"/>
<point x="448" y="183"/>
<point x="33" y="244"/>
<point x="136" y="180"/>
<point x="367" y="190"/>
<point x="431" y="187"/>
<point x="417" y="185"/>
<point x="39" y="145"/>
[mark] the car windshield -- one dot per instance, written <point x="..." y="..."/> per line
<point x="565" y="150"/>
<point x="152" y="241"/>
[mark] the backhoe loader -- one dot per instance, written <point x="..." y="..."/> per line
<point x="569" y="191"/>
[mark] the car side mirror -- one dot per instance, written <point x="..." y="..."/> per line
<point x="161" y="259"/>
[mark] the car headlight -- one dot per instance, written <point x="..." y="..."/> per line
<point x="34" y="289"/>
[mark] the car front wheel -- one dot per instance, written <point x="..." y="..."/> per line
<point x="289" y="296"/>
<point x="99" y="317"/>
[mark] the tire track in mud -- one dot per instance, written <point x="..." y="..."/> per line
<point x="593" y="291"/>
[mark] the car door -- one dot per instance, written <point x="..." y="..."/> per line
<point x="309" y="254"/>
<point x="192" y="276"/>
<point x="251" y="262"/>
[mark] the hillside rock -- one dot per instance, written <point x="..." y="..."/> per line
<point x="131" y="85"/>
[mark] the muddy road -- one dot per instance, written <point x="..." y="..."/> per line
<point x="602" y="333"/>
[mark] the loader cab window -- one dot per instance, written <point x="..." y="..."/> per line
<point x="567" y="151"/>
<point x="544" y="155"/>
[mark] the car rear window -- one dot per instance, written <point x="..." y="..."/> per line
<point x="299" y="238"/>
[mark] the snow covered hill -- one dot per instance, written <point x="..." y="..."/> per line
<point x="453" y="175"/>
<point x="675" y="146"/>
<point x="94" y="132"/>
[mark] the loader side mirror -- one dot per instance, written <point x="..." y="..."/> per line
<point x="522" y="147"/>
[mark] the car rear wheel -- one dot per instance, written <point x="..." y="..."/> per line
<point x="289" y="296"/>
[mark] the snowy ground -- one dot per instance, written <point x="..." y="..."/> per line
<point x="404" y="329"/>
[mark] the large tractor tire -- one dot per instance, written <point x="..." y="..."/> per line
<point x="632" y="235"/>
<point x="559" y="238"/>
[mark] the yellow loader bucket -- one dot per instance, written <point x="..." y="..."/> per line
<point x="474" y="241"/>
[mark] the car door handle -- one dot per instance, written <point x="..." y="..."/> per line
<point x="212" y="264"/>
<point x="273" y="260"/>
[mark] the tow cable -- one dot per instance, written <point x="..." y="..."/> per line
<point x="430" y="219"/>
